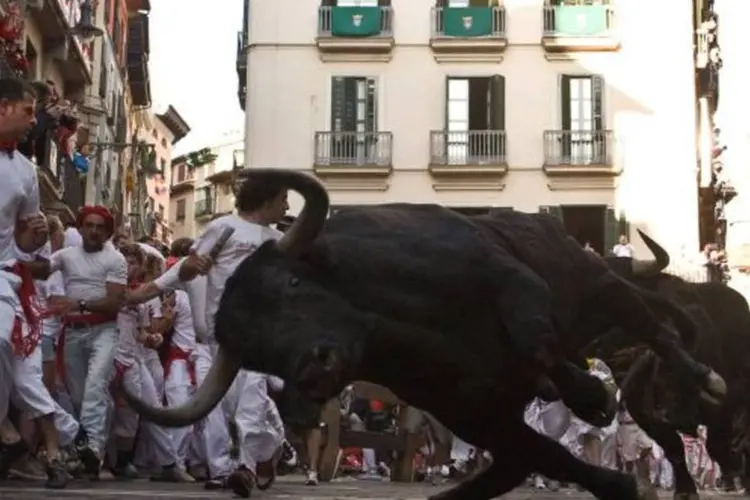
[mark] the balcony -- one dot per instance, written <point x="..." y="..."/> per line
<point x="580" y="159"/>
<point x="473" y="159"/>
<point x="54" y="21"/>
<point x="242" y="68"/>
<point x="354" y="160"/>
<point x="355" y="34"/>
<point x="74" y="193"/>
<point x="204" y="208"/>
<point x="472" y="34"/>
<point x="183" y="185"/>
<point x="579" y="26"/>
<point x="138" y="52"/>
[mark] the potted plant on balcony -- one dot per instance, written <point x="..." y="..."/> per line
<point x="12" y="41"/>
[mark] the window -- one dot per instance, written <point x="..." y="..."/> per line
<point x="475" y="119"/>
<point x="181" y="215"/>
<point x="353" y="120"/>
<point x="163" y="142"/>
<point x="163" y="166"/>
<point x="108" y="11"/>
<point x="161" y="212"/>
<point x="181" y="173"/>
<point x="155" y="134"/>
<point x="353" y="104"/>
<point x="582" y="116"/>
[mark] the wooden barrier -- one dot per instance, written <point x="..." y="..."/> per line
<point x="404" y="443"/>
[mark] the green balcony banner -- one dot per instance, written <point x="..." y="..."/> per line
<point x="467" y="21"/>
<point x="581" y="20"/>
<point x="355" y="21"/>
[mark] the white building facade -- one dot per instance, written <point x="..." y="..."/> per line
<point x="575" y="108"/>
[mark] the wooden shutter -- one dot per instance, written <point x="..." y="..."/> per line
<point x="614" y="225"/>
<point x="384" y="3"/>
<point x="343" y="104"/>
<point x="553" y="210"/>
<point x="371" y="104"/>
<point x="496" y="103"/>
<point x="565" y="102"/>
<point x="323" y="3"/>
<point x="597" y="106"/>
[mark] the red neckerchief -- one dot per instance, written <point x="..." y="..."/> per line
<point x="8" y="147"/>
<point x="24" y="346"/>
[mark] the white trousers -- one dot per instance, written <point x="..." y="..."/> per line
<point x="31" y="395"/>
<point x="177" y="391"/>
<point x="210" y="439"/>
<point x="259" y="425"/>
<point x="155" y="446"/>
<point x="8" y="306"/>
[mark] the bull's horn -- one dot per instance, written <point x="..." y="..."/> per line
<point x="313" y="216"/>
<point x="216" y="384"/>
<point x="650" y="267"/>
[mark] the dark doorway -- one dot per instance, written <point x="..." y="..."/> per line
<point x="586" y="223"/>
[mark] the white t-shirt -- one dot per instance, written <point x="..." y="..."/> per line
<point x="623" y="250"/>
<point x="19" y="199"/>
<point x="148" y="249"/>
<point x="86" y="274"/>
<point x="196" y="291"/>
<point x="129" y="322"/>
<point x="184" y="334"/>
<point x="247" y="237"/>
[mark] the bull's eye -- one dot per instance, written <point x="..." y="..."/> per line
<point x="293" y="281"/>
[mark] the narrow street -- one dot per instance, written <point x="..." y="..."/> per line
<point x="288" y="488"/>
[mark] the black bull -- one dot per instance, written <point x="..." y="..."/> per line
<point x="420" y="299"/>
<point x="722" y="341"/>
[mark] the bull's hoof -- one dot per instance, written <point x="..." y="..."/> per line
<point x="715" y="389"/>
<point x="646" y="490"/>
<point x="686" y="496"/>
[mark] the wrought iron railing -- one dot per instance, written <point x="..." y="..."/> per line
<point x="325" y="21"/>
<point x="472" y="147"/>
<point x="498" y="23"/>
<point x="204" y="207"/>
<point x="353" y="148"/>
<point x="604" y="18"/>
<point x="580" y="148"/>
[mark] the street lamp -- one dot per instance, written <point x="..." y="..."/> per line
<point x="85" y="27"/>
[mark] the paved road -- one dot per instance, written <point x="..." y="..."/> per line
<point x="289" y="488"/>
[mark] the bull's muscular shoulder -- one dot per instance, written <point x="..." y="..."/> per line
<point x="393" y="217"/>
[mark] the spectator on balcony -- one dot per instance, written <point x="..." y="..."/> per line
<point x="623" y="248"/>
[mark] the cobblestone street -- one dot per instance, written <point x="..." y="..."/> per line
<point x="290" y="488"/>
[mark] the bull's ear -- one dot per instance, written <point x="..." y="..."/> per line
<point x="321" y="257"/>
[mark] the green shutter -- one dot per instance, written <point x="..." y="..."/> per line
<point x="565" y="101"/>
<point x="497" y="103"/>
<point x="597" y="105"/>
<point x="553" y="210"/>
<point x="614" y="225"/>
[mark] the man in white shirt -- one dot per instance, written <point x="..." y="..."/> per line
<point x="211" y="437"/>
<point x="623" y="248"/>
<point x="19" y="214"/>
<point x="260" y="430"/>
<point x="95" y="276"/>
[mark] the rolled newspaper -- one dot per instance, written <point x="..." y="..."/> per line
<point x="226" y="233"/>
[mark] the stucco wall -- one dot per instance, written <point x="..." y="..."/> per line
<point x="649" y="102"/>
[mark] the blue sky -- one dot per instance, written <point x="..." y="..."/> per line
<point x="192" y="66"/>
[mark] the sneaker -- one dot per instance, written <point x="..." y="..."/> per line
<point x="199" y="472"/>
<point x="128" y="471"/>
<point x="91" y="462"/>
<point x="216" y="483"/>
<point x="174" y="474"/>
<point x="241" y="482"/>
<point x="288" y="455"/>
<point x="311" y="478"/>
<point x="57" y="475"/>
